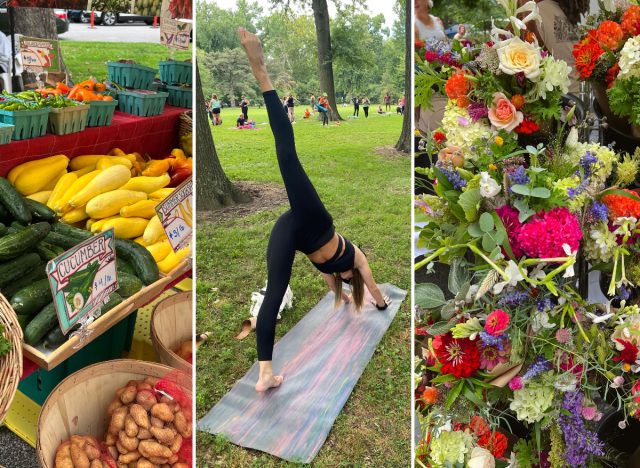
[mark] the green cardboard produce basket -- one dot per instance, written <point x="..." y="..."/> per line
<point x="66" y="120"/>
<point x="131" y="75"/>
<point x="179" y="96"/>
<point x="101" y="113"/>
<point x="27" y="124"/>
<point x="6" y="131"/>
<point x="176" y="73"/>
<point x="141" y="104"/>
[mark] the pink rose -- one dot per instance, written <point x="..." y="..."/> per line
<point x="504" y="115"/>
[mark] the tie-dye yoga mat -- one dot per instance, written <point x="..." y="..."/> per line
<point x="321" y="358"/>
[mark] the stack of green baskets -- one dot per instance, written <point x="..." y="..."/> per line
<point x="66" y="120"/>
<point x="27" y="123"/>
<point x="145" y="104"/>
<point x="174" y="72"/>
<point x="101" y="113"/>
<point x="179" y="96"/>
<point x="131" y="75"/>
<point x="5" y="133"/>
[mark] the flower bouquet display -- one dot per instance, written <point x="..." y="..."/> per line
<point x="608" y="56"/>
<point x="515" y="366"/>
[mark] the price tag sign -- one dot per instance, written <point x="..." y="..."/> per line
<point x="176" y="215"/>
<point x="39" y="55"/>
<point x="83" y="278"/>
<point x="174" y="33"/>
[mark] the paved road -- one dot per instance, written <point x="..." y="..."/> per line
<point x="128" y="32"/>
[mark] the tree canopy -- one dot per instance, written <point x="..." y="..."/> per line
<point x="368" y="57"/>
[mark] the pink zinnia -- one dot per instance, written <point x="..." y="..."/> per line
<point x="516" y="383"/>
<point x="491" y="356"/>
<point x="544" y="235"/>
<point x="512" y="224"/>
<point x="497" y="322"/>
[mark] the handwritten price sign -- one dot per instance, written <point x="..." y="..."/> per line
<point x="83" y="278"/>
<point x="176" y="215"/>
<point x="40" y="54"/>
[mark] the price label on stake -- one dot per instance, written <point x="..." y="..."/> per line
<point x="176" y="215"/>
<point x="82" y="279"/>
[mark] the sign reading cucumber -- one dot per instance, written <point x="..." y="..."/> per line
<point x="83" y="278"/>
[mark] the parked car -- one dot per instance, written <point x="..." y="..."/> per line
<point x="109" y="18"/>
<point x="78" y="16"/>
<point x="62" y="22"/>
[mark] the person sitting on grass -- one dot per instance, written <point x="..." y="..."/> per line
<point x="307" y="227"/>
<point x="307" y="114"/>
<point x="380" y="111"/>
<point x="241" y="121"/>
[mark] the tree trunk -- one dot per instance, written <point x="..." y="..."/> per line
<point x="40" y="23"/>
<point x="406" y="136"/>
<point x="325" y="56"/>
<point x="213" y="189"/>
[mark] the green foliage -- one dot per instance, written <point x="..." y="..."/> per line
<point x="5" y="344"/>
<point x="624" y="99"/>
<point x="525" y="453"/>
<point x="473" y="12"/>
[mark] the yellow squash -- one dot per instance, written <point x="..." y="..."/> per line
<point x="61" y="187"/>
<point x="75" y="216"/>
<point x="116" y="152"/>
<point x="161" y="194"/>
<point x="109" y="203"/>
<point x="156" y="167"/>
<point x="140" y="240"/>
<point x="20" y="168"/>
<point x="142" y="209"/>
<point x="126" y="228"/>
<point x="147" y="184"/>
<point x="97" y="224"/>
<point x="109" y="161"/>
<point x="111" y="178"/>
<point x="154" y="232"/>
<point x="160" y="250"/>
<point x="36" y="178"/>
<point x="173" y="260"/>
<point x="62" y="203"/>
<point x="52" y="183"/>
<point x="41" y="197"/>
<point x="178" y="153"/>
<point x="89" y="160"/>
<point x="89" y="223"/>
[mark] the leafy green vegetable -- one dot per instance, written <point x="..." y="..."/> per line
<point x="5" y="344"/>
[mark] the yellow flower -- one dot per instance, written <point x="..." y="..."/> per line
<point x="626" y="367"/>
<point x="499" y="141"/>
<point x="492" y="166"/>
<point x="518" y="56"/>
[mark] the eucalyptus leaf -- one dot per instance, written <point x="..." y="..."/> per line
<point x="495" y="254"/>
<point x="469" y="201"/>
<point x="429" y="296"/>
<point x="541" y="192"/>
<point x="521" y="189"/>
<point x="440" y="328"/>
<point x="488" y="244"/>
<point x="537" y="170"/>
<point x="457" y="275"/>
<point x="525" y="212"/>
<point x="474" y="230"/>
<point x="461" y="295"/>
<point x="486" y="222"/>
<point x="448" y="310"/>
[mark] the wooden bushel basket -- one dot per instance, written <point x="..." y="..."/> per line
<point x="78" y="405"/>
<point x="172" y="324"/>
<point x="10" y="363"/>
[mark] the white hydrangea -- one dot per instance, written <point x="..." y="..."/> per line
<point x="555" y="75"/>
<point x="599" y="244"/>
<point x="629" y="58"/>
<point x="607" y="157"/>
<point x="461" y="130"/>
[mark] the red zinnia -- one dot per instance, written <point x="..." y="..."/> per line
<point x="629" y="354"/>
<point x="439" y="137"/>
<point x="479" y="426"/>
<point x="621" y="206"/>
<point x="459" y="357"/>
<point x="612" y="74"/>
<point x="495" y="442"/>
<point x="457" y="86"/>
<point x="609" y="34"/>
<point x="631" y="21"/>
<point x="527" y="126"/>
<point x="586" y="54"/>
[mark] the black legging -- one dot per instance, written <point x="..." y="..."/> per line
<point x="325" y="117"/>
<point x="356" y="109"/>
<point x="307" y="226"/>
<point x="245" y="112"/>
<point x="366" y="111"/>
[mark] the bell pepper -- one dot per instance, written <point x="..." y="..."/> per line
<point x="156" y="167"/>
<point x="179" y="175"/>
<point x="64" y="89"/>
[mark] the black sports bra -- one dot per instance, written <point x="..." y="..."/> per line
<point x="341" y="261"/>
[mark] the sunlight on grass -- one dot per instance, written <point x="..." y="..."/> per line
<point x="369" y="197"/>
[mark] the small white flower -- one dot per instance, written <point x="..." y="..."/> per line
<point x="609" y="5"/>
<point x="513" y="274"/>
<point x="489" y="188"/>
<point x="569" y="272"/>
<point x="572" y="138"/>
<point x="622" y="424"/>
<point x="481" y="458"/>
<point x="618" y="381"/>
<point x="599" y="318"/>
<point x="540" y="321"/>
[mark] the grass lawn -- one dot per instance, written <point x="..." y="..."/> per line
<point x="85" y="59"/>
<point x="369" y="196"/>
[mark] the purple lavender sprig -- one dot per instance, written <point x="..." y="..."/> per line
<point x="580" y="442"/>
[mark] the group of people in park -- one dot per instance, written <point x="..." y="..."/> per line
<point x="320" y="104"/>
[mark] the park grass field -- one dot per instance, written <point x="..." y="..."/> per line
<point x="368" y="193"/>
<point x="86" y="59"/>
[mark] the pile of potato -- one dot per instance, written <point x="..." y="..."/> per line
<point x="80" y="451"/>
<point x="144" y="432"/>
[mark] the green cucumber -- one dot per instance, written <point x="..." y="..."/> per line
<point x="35" y="274"/>
<point x="23" y="321"/>
<point x="17" y="268"/>
<point x="124" y="266"/>
<point x="41" y="324"/>
<point x="140" y="258"/>
<point x="17" y="243"/>
<point x="14" y="202"/>
<point x="31" y="299"/>
<point x="5" y="216"/>
<point x="40" y="211"/>
<point x="128" y="284"/>
<point x="71" y="231"/>
<point x="60" y="240"/>
<point x="3" y="229"/>
<point x="48" y="251"/>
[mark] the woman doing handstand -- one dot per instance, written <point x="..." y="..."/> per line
<point x="307" y="227"/>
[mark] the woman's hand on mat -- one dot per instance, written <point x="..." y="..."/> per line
<point x="387" y="302"/>
<point x="346" y="298"/>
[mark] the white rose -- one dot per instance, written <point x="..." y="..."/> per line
<point x="481" y="458"/>
<point x="489" y="188"/>
<point x="518" y="56"/>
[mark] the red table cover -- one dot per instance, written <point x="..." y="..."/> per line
<point x="155" y="136"/>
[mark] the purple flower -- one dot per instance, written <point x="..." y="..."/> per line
<point x="586" y="162"/>
<point x="477" y="111"/>
<point x="599" y="211"/>
<point x="538" y="366"/>
<point x="519" y="176"/>
<point x="520" y="78"/>
<point x="514" y="298"/>
<point x="574" y="192"/>
<point x="495" y="341"/>
<point x="544" y="304"/>
<point x="580" y="442"/>
<point x="453" y="176"/>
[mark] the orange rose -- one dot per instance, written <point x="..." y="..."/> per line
<point x="451" y="154"/>
<point x="504" y="115"/>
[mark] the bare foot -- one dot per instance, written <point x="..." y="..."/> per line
<point x="253" y="49"/>
<point x="268" y="381"/>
